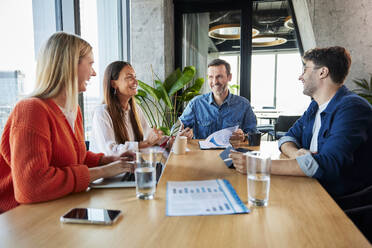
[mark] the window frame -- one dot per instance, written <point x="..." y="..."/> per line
<point x="246" y="7"/>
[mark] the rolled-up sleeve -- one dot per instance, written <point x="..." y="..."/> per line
<point x="308" y="164"/>
<point x="285" y="139"/>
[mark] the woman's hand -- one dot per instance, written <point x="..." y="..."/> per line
<point x="113" y="165"/>
<point x="155" y="136"/>
<point x="125" y="156"/>
<point x="111" y="169"/>
<point x="239" y="161"/>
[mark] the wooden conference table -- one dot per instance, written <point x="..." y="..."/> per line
<point x="300" y="214"/>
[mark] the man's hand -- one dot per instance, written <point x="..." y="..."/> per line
<point x="187" y="132"/>
<point x="239" y="161"/>
<point x="238" y="135"/>
<point x="302" y="152"/>
<point x="289" y="149"/>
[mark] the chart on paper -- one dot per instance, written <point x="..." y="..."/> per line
<point x="208" y="197"/>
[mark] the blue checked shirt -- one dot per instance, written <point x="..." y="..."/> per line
<point x="205" y="117"/>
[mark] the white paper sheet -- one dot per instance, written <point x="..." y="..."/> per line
<point x="209" y="197"/>
<point x="219" y="139"/>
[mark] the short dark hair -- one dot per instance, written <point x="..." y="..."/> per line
<point x="336" y="59"/>
<point x="217" y="62"/>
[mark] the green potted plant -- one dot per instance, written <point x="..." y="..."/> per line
<point x="160" y="102"/>
<point x="365" y="89"/>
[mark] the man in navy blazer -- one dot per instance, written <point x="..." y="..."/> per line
<point x="332" y="141"/>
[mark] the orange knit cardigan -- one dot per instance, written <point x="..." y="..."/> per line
<point x="41" y="158"/>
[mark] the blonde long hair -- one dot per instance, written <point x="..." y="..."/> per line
<point x="114" y="107"/>
<point x="57" y="68"/>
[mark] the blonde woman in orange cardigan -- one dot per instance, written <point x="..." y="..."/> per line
<point x="42" y="153"/>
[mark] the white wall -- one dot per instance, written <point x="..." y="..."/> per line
<point x="152" y="38"/>
<point x="345" y="23"/>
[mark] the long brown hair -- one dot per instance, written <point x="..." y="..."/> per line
<point x="114" y="107"/>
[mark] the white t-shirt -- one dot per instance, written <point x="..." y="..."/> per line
<point x="316" y="127"/>
<point x="70" y="117"/>
<point x="103" y="137"/>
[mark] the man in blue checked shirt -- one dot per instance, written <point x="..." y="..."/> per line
<point x="218" y="109"/>
<point x="332" y="141"/>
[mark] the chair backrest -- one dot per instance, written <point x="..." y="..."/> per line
<point x="355" y="200"/>
<point x="87" y="145"/>
<point x="285" y="122"/>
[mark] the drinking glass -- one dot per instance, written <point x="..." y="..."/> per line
<point x="145" y="176"/>
<point x="258" y="178"/>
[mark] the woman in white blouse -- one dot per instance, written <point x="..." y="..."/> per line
<point x="119" y="124"/>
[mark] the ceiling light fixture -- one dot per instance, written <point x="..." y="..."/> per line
<point x="288" y="22"/>
<point x="228" y="31"/>
<point x="267" y="40"/>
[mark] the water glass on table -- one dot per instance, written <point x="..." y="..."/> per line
<point x="145" y="175"/>
<point x="258" y="178"/>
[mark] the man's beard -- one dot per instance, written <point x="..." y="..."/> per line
<point x="219" y="89"/>
<point x="309" y="89"/>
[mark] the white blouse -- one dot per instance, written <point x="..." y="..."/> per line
<point x="103" y="136"/>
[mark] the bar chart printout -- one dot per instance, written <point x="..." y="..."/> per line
<point x="208" y="197"/>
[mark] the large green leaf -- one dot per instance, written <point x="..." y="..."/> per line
<point x="165" y="130"/>
<point x="196" y="86"/>
<point x="141" y="93"/>
<point x="138" y="99"/>
<point x="190" y="96"/>
<point x="171" y="79"/>
<point x="187" y="75"/>
<point x="150" y="90"/>
<point x="164" y="95"/>
<point x="362" y="83"/>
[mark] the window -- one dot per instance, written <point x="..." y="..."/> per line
<point x="233" y="60"/>
<point x="24" y="36"/>
<point x="289" y="96"/>
<point x="275" y="82"/>
<point x="17" y="61"/>
<point x="263" y="77"/>
<point x="89" y="31"/>
<point x="102" y="25"/>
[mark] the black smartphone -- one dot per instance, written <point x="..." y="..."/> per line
<point x="91" y="216"/>
<point x="243" y="150"/>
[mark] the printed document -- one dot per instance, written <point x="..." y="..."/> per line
<point x="219" y="139"/>
<point x="209" y="197"/>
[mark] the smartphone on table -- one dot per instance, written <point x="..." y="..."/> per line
<point x="91" y="216"/>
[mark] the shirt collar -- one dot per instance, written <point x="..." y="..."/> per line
<point x="227" y="100"/>
<point x="331" y="103"/>
<point x="339" y="94"/>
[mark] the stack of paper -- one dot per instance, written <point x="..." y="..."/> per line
<point x="209" y="197"/>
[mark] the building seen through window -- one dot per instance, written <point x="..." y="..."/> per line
<point x="17" y="59"/>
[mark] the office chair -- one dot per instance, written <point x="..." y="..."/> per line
<point x="281" y="127"/>
<point x="264" y="128"/>
<point x="362" y="218"/>
<point x="358" y="207"/>
<point x="87" y="145"/>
